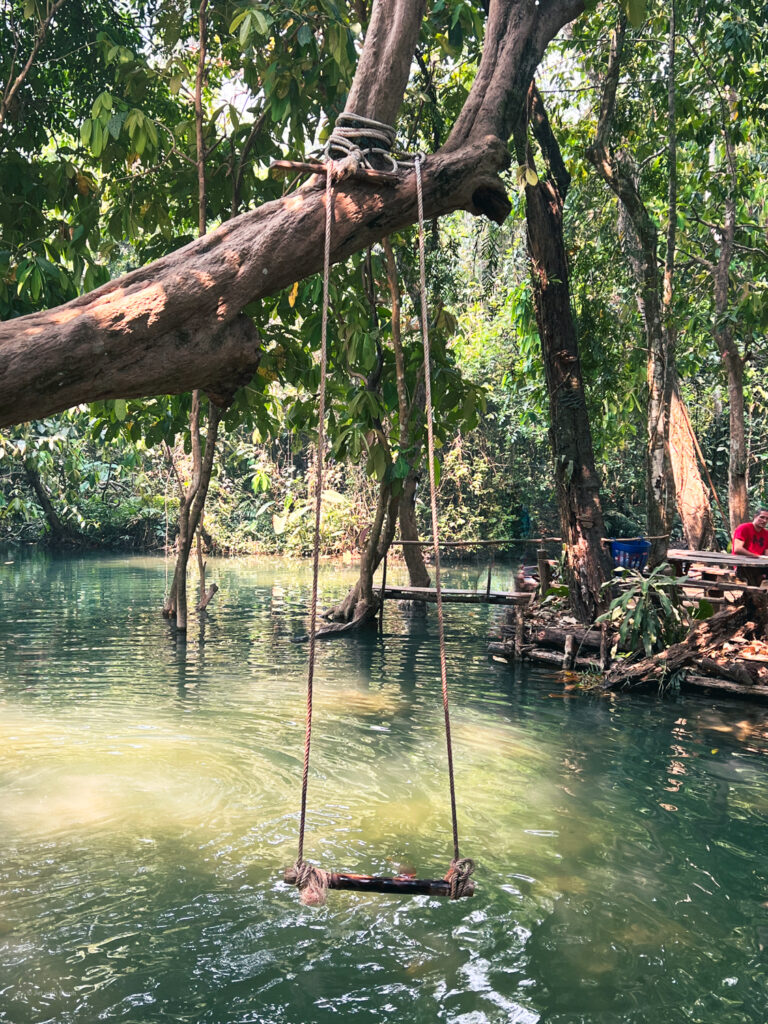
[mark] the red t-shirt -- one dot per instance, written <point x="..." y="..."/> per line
<point x="754" y="540"/>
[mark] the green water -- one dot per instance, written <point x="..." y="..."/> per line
<point x="149" y="795"/>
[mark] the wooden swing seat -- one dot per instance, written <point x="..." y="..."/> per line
<point x="397" y="885"/>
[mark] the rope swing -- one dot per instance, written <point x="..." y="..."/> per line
<point x="313" y="882"/>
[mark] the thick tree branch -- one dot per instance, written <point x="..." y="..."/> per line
<point x="516" y="37"/>
<point x="176" y="324"/>
<point x="550" y="150"/>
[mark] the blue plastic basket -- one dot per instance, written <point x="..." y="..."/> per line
<point x="630" y="554"/>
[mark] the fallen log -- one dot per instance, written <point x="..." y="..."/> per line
<point x="552" y="636"/>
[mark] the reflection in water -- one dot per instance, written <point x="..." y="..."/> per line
<point x="150" y="790"/>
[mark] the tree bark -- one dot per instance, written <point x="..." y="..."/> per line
<point x="576" y="481"/>
<point x="60" y="532"/>
<point x="640" y="240"/>
<point x="191" y="508"/>
<point x="411" y="420"/>
<point x="361" y="604"/>
<point x="176" y="324"/>
<point x="691" y="494"/>
<point x="418" y="574"/>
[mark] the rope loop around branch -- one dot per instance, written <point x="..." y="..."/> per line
<point x="369" y="142"/>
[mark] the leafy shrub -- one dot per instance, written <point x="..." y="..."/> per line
<point x="648" y="612"/>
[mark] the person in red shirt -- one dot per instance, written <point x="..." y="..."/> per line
<point x="751" y="539"/>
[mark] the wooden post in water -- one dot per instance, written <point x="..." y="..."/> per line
<point x="605" y="647"/>
<point x="490" y="570"/>
<point x="519" y="628"/>
<point x="545" y="571"/>
<point x="383" y="590"/>
<point x="569" y="651"/>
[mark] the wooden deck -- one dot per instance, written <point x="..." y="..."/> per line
<point x="452" y="596"/>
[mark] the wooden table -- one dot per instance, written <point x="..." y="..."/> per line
<point x="754" y="570"/>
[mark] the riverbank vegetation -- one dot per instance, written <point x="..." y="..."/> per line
<point x="598" y="308"/>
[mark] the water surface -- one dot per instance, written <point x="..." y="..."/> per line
<point x="149" y="794"/>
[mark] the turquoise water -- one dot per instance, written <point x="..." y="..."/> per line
<point x="149" y="793"/>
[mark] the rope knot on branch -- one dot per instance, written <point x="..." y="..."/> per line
<point x="459" y="877"/>
<point x="366" y="142"/>
<point x="312" y="883"/>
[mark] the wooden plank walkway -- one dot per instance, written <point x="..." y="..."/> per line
<point x="451" y="596"/>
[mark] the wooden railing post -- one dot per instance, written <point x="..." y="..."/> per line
<point x="383" y="589"/>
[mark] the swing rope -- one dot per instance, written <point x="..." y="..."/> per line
<point x="310" y="877"/>
<point x="313" y="882"/>
<point x="460" y="869"/>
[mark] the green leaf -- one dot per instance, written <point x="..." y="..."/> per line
<point x="245" y="30"/>
<point x="304" y="35"/>
<point x="378" y="461"/>
<point x="121" y="408"/>
<point x="262" y="25"/>
<point x="237" y="21"/>
<point x="114" y="125"/>
<point x="636" y="12"/>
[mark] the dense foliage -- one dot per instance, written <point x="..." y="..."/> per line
<point x="98" y="174"/>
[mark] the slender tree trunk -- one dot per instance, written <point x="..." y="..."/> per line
<point x="738" y="505"/>
<point x="192" y="503"/>
<point x="59" y="531"/>
<point x="361" y="603"/>
<point x="418" y="574"/>
<point x="193" y="498"/>
<point x="690" y="493"/>
<point x="411" y="418"/>
<point x="576" y="482"/>
<point x="641" y="243"/>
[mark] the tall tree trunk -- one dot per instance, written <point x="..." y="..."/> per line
<point x="191" y="507"/>
<point x="411" y="419"/>
<point x="361" y="604"/>
<point x="738" y="505"/>
<point x="725" y="241"/>
<point x="691" y="495"/>
<point x="193" y="498"/>
<point x="577" y="486"/>
<point x="418" y="574"/>
<point x="641" y="243"/>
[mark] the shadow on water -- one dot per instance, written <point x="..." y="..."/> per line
<point x="149" y="801"/>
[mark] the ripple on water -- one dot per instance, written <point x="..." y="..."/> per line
<point x="150" y="799"/>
